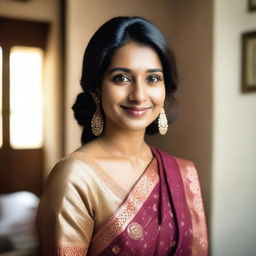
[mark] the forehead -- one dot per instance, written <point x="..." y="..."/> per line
<point x="137" y="56"/>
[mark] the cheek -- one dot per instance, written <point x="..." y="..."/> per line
<point x="158" y="95"/>
<point x="111" y="95"/>
<point x="106" y="99"/>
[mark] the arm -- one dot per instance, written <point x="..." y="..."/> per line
<point x="65" y="217"/>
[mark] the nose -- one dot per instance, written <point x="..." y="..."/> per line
<point x="138" y="92"/>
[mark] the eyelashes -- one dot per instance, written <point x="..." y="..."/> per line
<point x="154" y="78"/>
<point x="123" y="79"/>
<point x="120" y="78"/>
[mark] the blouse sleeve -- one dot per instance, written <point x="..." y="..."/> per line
<point x="65" y="214"/>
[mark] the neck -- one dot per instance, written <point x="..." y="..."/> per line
<point x="121" y="143"/>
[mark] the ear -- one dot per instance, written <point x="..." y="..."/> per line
<point x="96" y="96"/>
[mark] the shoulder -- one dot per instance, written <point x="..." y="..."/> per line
<point x="182" y="163"/>
<point x="186" y="167"/>
<point x="71" y="180"/>
<point x="69" y="169"/>
<point x="73" y="176"/>
<point x="185" y="163"/>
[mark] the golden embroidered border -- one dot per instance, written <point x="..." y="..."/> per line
<point x="195" y="189"/>
<point x="195" y="205"/>
<point x="126" y="212"/>
<point x="64" y="251"/>
<point x="197" y="201"/>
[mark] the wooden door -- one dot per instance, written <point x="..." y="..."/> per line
<point x="21" y="168"/>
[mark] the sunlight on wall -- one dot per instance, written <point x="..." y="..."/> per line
<point x="26" y="128"/>
<point x="1" y="102"/>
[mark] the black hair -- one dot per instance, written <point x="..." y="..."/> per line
<point x="107" y="39"/>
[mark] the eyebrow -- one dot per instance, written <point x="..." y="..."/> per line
<point x="127" y="70"/>
<point x="152" y="70"/>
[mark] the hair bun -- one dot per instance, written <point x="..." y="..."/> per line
<point x="83" y="108"/>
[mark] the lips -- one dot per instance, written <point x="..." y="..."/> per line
<point x="135" y="111"/>
<point x="136" y="108"/>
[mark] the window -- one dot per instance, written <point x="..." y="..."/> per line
<point x="26" y="117"/>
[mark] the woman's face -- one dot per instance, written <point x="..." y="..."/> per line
<point x="133" y="88"/>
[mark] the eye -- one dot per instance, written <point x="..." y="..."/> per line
<point x="120" y="78"/>
<point x="154" y="79"/>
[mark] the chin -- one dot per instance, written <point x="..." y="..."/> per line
<point x="135" y="126"/>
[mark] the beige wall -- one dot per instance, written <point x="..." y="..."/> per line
<point x="234" y="155"/>
<point x="45" y="10"/>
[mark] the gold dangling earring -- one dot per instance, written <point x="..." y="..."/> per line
<point x="162" y="122"/>
<point x="97" y="122"/>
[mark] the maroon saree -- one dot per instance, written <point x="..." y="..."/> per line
<point x="162" y="214"/>
<point x="155" y="218"/>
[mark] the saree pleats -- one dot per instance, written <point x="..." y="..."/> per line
<point x="170" y="178"/>
<point x="187" y="200"/>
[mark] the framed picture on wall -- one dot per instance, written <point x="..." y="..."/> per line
<point x="252" y="5"/>
<point x="249" y="61"/>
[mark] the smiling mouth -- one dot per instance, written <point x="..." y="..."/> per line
<point x="135" y="111"/>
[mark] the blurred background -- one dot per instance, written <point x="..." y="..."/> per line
<point x="41" y="49"/>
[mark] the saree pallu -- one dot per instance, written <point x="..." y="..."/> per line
<point x="161" y="215"/>
<point x="190" y="192"/>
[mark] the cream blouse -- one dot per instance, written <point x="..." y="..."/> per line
<point x="78" y="197"/>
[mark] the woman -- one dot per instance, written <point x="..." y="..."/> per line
<point x="116" y="195"/>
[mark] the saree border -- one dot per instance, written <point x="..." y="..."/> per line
<point x="195" y="204"/>
<point x="62" y="250"/>
<point x="120" y="219"/>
